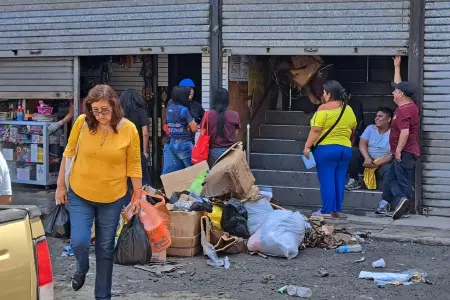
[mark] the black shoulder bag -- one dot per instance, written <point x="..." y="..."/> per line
<point x="330" y="129"/>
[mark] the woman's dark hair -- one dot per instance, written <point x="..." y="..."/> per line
<point x="131" y="100"/>
<point x="180" y="95"/>
<point x="102" y="92"/>
<point x="220" y="104"/>
<point x="335" y="89"/>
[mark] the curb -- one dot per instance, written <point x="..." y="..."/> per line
<point x="429" y="241"/>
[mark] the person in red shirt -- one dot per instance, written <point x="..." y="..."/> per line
<point x="397" y="189"/>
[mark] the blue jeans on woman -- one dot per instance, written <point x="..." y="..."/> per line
<point x="332" y="163"/>
<point x="177" y="155"/>
<point x="82" y="214"/>
<point x="214" y="154"/>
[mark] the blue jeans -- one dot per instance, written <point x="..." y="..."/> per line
<point x="214" y="154"/>
<point x="106" y="215"/>
<point x="399" y="179"/>
<point x="177" y="155"/>
<point x="332" y="163"/>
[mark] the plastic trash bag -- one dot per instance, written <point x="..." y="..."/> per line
<point x="57" y="222"/>
<point x="280" y="235"/>
<point x="133" y="246"/>
<point x="257" y="213"/>
<point x="234" y="219"/>
<point x="216" y="217"/>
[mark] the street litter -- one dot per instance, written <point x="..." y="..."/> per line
<point x="349" y="248"/>
<point x="67" y="251"/>
<point x="379" y="263"/>
<point x="360" y="260"/>
<point x="225" y="262"/>
<point x="405" y="278"/>
<point x="296" y="291"/>
<point x="323" y="273"/>
<point x="280" y="235"/>
<point x="160" y="269"/>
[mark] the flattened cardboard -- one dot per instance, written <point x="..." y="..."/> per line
<point x="181" y="180"/>
<point x="231" y="174"/>
<point x="185" y="224"/>
<point x="184" y="252"/>
<point x="185" y="242"/>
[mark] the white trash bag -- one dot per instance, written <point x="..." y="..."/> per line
<point x="280" y="235"/>
<point x="257" y="213"/>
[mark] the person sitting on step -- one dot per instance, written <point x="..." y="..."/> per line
<point x="374" y="149"/>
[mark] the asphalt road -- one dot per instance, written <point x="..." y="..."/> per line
<point x="253" y="277"/>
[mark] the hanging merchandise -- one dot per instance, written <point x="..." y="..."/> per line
<point x="106" y="71"/>
<point x="147" y="74"/>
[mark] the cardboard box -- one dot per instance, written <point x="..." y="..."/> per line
<point x="185" y="224"/>
<point x="185" y="242"/>
<point x="181" y="180"/>
<point x="184" y="252"/>
<point x="231" y="174"/>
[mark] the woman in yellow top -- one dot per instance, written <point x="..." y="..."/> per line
<point x="334" y="153"/>
<point x="108" y="154"/>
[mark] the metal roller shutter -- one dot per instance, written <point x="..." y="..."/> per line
<point x="37" y="78"/>
<point x="322" y="27"/>
<point x="129" y="77"/>
<point x="95" y="27"/>
<point x="436" y="109"/>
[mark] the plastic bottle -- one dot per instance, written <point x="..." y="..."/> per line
<point x="349" y="248"/>
<point x="20" y="115"/>
<point x="298" y="291"/>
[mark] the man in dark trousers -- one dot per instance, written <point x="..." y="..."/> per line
<point x="397" y="190"/>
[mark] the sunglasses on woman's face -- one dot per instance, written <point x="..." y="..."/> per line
<point x="103" y="112"/>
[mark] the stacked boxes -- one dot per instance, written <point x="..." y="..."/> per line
<point x="185" y="234"/>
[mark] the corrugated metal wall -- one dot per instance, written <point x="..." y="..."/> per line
<point x="436" y="109"/>
<point x="37" y="78"/>
<point x="323" y="27"/>
<point x="206" y="78"/>
<point x="126" y="77"/>
<point x="163" y="70"/>
<point x="96" y="27"/>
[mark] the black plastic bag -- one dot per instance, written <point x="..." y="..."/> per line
<point x="133" y="246"/>
<point x="57" y="223"/>
<point x="234" y="219"/>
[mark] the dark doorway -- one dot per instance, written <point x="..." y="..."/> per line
<point x="186" y="66"/>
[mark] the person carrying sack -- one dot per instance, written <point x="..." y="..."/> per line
<point x="332" y="129"/>
<point x="103" y="151"/>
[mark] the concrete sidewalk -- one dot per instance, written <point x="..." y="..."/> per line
<point x="416" y="229"/>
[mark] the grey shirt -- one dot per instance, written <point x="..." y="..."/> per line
<point x="378" y="146"/>
<point x="5" y="180"/>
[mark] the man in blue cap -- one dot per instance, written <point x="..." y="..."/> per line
<point x="195" y="108"/>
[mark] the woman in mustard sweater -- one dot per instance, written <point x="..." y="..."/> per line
<point x="108" y="154"/>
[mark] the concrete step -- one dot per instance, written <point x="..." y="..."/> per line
<point x="288" y="132"/>
<point x="310" y="197"/>
<point x="286" y="178"/>
<point x="278" y="117"/>
<point x="281" y="162"/>
<point x="276" y="146"/>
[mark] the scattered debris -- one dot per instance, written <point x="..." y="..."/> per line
<point x="379" y="263"/>
<point x="267" y="278"/>
<point x="323" y="273"/>
<point x="349" y="248"/>
<point x="159" y="269"/>
<point x="67" y="251"/>
<point x="405" y="278"/>
<point x="219" y="263"/>
<point x="296" y="291"/>
<point x="360" y="260"/>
